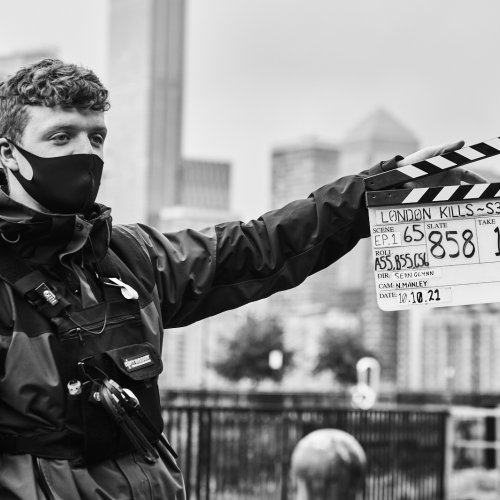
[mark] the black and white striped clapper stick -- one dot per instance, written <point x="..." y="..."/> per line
<point x="468" y="154"/>
<point x="436" y="194"/>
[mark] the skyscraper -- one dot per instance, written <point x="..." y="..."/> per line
<point x="146" y="178"/>
<point x="146" y="79"/>
<point x="297" y="170"/>
<point x="378" y="137"/>
<point x="347" y="285"/>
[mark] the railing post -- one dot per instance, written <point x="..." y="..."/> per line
<point x="328" y="464"/>
<point x="448" y="453"/>
<point x="200" y="464"/>
<point x="208" y="454"/>
<point x="490" y="453"/>
<point x="189" y="451"/>
<point x="284" y="457"/>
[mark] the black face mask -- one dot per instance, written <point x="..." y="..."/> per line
<point x="63" y="184"/>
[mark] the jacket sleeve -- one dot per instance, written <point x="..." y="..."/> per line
<point x="202" y="273"/>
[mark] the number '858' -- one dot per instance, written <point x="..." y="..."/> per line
<point x="451" y="244"/>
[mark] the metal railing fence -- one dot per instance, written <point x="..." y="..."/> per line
<point x="244" y="453"/>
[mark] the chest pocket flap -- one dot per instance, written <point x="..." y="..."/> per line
<point x="137" y="361"/>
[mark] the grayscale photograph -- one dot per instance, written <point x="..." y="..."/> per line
<point x="249" y="250"/>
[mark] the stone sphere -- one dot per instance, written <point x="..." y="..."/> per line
<point x="328" y="464"/>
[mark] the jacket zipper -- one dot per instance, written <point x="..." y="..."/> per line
<point x="42" y="480"/>
<point x="78" y="333"/>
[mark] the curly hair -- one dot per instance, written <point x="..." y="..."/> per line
<point x="49" y="82"/>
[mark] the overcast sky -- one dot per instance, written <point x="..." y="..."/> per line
<point x="260" y="73"/>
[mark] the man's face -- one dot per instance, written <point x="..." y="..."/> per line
<point x="64" y="131"/>
<point x="51" y="132"/>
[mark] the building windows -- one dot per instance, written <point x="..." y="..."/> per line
<point x="180" y="356"/>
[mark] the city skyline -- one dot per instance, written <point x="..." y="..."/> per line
<point x="259" y="75"/>
<point x="297" y="168"/>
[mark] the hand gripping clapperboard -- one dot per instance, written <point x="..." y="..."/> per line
<point x="435" y="246"/>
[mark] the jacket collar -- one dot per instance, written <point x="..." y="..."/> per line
<point x="43" y="238"/>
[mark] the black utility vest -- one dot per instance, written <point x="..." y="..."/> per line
<point x="101" y="342"/>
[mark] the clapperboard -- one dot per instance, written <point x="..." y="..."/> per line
<point x="436" y="246"/>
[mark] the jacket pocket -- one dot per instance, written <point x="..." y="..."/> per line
<point x="137" y="362"/>
<point x="136" y="367"/>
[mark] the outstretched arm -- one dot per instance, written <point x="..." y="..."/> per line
<point x="206" y="272"/>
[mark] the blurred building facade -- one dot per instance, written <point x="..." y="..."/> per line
<point x="296" y="171"/>
<point x="189" y="352"/>
<point x="146" y="77"/>
<point x="450" y="350"/>
<point x="380" y="136"/>
<point x="341" y="297"/>
<point x="204" y="197"/>
<point x="146" y="177"/>
<point x="10" y="63"/>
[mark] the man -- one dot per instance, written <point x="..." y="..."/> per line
<point x="84" y="303"/>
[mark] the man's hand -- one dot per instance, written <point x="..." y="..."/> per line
<point x="450" y="177"/>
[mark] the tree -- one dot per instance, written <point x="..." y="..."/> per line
<point x="246" y="355"/>
<point x="339" y="351"/>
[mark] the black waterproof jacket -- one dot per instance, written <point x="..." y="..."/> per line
<point x="189" y="275"/>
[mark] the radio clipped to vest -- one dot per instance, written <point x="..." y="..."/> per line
<point x="138" y="362"/>
<point x="123" y="406"/>
<point x="41" y="295"/>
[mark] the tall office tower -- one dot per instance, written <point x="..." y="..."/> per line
<point x="145" y="178"/>
<point x="378" y="137"/>
<point x="142" y="173"/>
<point x="297" y="170"/>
